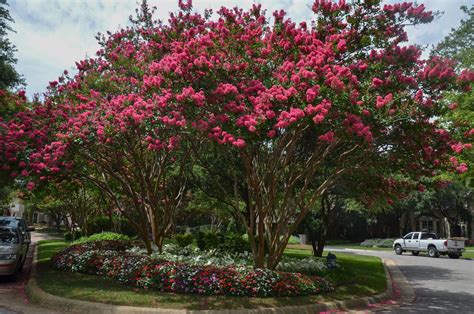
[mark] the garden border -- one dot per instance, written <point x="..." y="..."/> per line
<point x="399" y="291"/>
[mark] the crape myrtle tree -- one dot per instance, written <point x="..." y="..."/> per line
<point x="459" y="116"/>
<point x="110" y="126"/>
<point x="249" y="91"/>
<point x="344" y="78"/>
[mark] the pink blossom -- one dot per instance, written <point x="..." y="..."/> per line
<point x="461" y="168"/>
<point x="30" y="186"/>
<point x="327" y="137"/>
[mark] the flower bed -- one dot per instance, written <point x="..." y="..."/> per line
<point x="111" y="259"/>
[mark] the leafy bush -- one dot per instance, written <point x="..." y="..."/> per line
<point x="309" y="265"/>
<point x="194" y="256"/>
<point x="105" y="224"/>
<point x="294" y="240"/>
<point x="104" y="236"/>
<point x="388" y="243"/>
<point x="109" y="259"/>
<point x="101" y="224"/>
<point x="71" y="236"/>
<point x="184" y="239"/>
<point x="369" y="242"/>
<point x="235" y="243"/>
<point x="208" y="240"/>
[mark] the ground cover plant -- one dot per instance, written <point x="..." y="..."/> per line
<point x="368" y="270"/>
<point x="110" y="258"/>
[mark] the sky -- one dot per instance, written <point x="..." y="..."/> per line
<point x="51" y="35"/>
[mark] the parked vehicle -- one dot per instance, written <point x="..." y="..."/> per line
<point x="13" y="249"/>
<point x="417" y="242"/>
<point x="15" y="222"/>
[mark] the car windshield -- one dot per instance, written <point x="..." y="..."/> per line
<point x="8" y="222"/>
<point x="8" y="236"/>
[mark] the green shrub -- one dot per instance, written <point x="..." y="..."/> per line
<point x="104" y="236"/>
<point x="208" y="240"/>
<point x="235" y="243"/>
<point x="294" y="240"/>
<point x="385" y="243"/>
<point x="101" y="224"/>
<point x="125" y="226"/>
<point x="68" y="236"/>
<point x="369" y="242"/>
<point x="105" y="224"/>
<point x="388" y="243"/>
<point x="184" y="240"/>
<point x="71" y="236"/>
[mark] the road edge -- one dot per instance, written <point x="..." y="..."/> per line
<point x="398" y="291"/>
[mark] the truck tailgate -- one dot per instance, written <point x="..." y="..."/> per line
<point x="455" y="244"/>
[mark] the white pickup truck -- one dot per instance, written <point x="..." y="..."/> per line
<point x="417" y="242"/>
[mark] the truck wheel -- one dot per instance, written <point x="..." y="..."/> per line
<point x="415" y="253"/>
<point x="453" y="255"/>
<point x="398" y="249"/>
<point x="433" y="252"/>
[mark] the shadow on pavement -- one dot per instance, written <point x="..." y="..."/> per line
<point x="437" y="301"/>
<point x="426" y="273"/>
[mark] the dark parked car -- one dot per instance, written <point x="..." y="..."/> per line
<point x="13" y="249"/>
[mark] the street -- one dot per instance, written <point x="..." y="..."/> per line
<point x="442" y="285"/>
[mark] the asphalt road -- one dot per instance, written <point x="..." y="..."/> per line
<point x="442" y="285"/>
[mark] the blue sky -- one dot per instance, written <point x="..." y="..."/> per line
<point x="52" y="34"/>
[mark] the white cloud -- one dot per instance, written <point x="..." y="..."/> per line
<point x="51" y="35"/>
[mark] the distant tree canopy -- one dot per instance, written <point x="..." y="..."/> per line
<point x="9" y="77"/>
<point x="459" y="44"/>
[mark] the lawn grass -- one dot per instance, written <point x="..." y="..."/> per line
<point x="359" y="276"/>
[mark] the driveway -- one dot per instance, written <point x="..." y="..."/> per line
<point x="442" y="285"/>
<point x="13" y="297"/>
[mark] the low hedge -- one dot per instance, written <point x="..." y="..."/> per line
<point x="103" y="236"/>
<point x="111" y="259"/>
<point x="387" y="243"/>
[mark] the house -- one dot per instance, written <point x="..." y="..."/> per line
<point x="17" y="209"/>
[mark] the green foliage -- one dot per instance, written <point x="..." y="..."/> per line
<point x="104" y="236"/>
<point x="387" y="243"/>
<point x="235" y="243"/>
<point x="71" y="236"/>
<point x="184" y="240"/>
<point x="294" y="240"/>
<point x="101" y="224"/>
<point x="9" y="77"/>
<point x="208" y="240"/>
<point x="229" y="242"/>
<point x="459" y="44"/>
<point x="105" y="224"/>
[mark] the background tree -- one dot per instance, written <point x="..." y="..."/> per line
<point x="9" y="77"/>
<point x="459" y="46"/>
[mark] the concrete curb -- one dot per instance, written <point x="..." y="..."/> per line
<point x="397" y="288"/>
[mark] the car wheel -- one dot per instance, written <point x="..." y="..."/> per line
<point x="398" y="249"/>
<point x="433" y="252"/>
<point x="415" y="253"/>
<point x="455" y="256"/>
